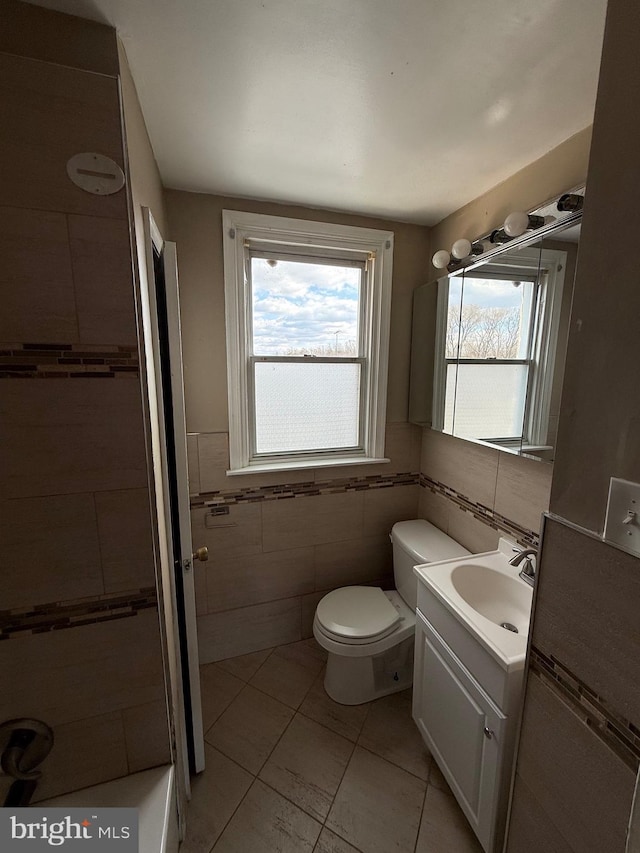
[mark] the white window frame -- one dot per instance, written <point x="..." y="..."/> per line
<point x="307" y="238"/>
<point x="544" y="328"/>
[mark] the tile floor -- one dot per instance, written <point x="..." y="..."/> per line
<point x="291" y="771"/>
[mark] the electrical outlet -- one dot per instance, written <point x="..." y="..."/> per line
<point x="622" y="522"/>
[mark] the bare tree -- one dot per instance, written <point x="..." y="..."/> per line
<point x="479" y="332"/>
<point x="343" y="348"/>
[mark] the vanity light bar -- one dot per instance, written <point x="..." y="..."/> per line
<point x="515" y="226"/>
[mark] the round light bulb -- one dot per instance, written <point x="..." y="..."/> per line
<point x="461" y="249"/>
<point x="441" y="259"/>
<point x="516" y="223"/>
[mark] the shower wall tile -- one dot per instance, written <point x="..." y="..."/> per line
<point x="146" y="735"/>
<point x="522" y="489"/>
<point x="36" y="281"/>
<point x="237" y="534"/>
<point x="66" y="676"/>
<point x="241" y="581"/>
<point x="67" y="436"/>
<point x="469" y="468"/>
<point x="50" y="114"/>
<point x="249" y="629"/>
<point x="49" y="550"/>
<point x="103" y="279"/>
<point x="124" y="525"/>
<point x="74" y="519"/>
<point x="86" y="752"/>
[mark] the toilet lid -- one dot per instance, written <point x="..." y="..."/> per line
<point x="357" y="612"/>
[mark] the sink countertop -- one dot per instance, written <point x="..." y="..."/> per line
<point x="507" y="648"/>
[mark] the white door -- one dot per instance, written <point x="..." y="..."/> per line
<point x="167" y="349"/>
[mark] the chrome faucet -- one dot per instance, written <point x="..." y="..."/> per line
<point x="528" y="570"/>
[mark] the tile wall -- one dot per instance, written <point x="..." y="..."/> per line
<point x="288" y="539"/>
<point x="580" y="744"/>
<point x="80" y="644"/>
<point x="477" y="494"/>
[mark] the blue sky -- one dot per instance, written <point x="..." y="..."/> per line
<point x="299" y="305"/>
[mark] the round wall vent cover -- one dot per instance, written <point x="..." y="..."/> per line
<point x="95" y="173"/>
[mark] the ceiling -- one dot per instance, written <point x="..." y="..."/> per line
<point x="405" y="109"/>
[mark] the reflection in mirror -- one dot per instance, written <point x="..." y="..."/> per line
<point x="500" y="344"/>
<point x="489" y="347"/>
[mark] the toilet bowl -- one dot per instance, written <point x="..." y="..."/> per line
<point x="368" y="632"/>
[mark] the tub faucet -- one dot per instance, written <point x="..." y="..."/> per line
<point x="528" y="570"/>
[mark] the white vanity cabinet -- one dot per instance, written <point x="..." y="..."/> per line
<point x="463" y="729"/>
<point x="467" y="690"/>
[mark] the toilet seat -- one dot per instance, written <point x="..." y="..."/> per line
<point x="357" y="614"/>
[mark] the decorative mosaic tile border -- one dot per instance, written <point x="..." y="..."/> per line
<point x="58" y="615"/>
<point x="67" y="361"/>
<point x="255" y="494"/>
<point x="299" y="490"/>
<point x="528" y="538"/>
<point x="618" y="734"/>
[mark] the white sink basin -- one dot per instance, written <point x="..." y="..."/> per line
<point x="493" y="594"/>
<point x="485" y="594"/>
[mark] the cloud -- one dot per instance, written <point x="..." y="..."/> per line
<point x="488" y="293"/>
<point x="296" y="279"/>
<point x="303" y="306"/>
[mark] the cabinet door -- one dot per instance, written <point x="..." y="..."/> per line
<point x="462" y="727"/>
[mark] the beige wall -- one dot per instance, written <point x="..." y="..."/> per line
<point x="562" y="168"/>
<point x="82" y="648"/>
<point x="196" y="226"/>
<point x="272" y="559"/>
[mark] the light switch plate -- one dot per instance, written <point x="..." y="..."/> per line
<point x="622" y="522"/>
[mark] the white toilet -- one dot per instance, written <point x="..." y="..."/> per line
<point x="369" y="632"/>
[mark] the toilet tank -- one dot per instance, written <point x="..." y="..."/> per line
<point x="416" y="542"/>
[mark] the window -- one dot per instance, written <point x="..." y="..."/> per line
<point x="497" y="329"/>
<point x="307" y="317"/>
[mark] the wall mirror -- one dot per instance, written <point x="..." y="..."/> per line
<point x="501" y="330"/>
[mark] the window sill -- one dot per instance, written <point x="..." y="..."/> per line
<point x="301" y="464"/>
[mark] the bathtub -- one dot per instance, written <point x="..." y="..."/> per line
<point x="150" y="791"/>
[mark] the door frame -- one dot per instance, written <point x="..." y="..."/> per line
<point x="178" y="590"/>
